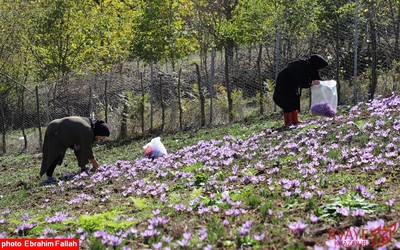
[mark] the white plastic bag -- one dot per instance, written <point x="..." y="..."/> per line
<point x="324" y="99"/>
<point x="155" y="148"/>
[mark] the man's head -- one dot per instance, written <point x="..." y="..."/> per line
<point x="317" y="62"/>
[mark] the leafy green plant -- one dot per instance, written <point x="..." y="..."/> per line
<point x="350" y="200"/>
<point x="103" y="221"/>
<point x="264" y="209"/>
<point x="140" y="203"/>
<point x="215" y="230"/>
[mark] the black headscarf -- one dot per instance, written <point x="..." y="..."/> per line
<point x="317" y="62"/>
<point x="101" y="128"/>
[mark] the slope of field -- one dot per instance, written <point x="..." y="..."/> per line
<point x="242" y="186"/>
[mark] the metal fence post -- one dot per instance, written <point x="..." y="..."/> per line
<point x="355" y="53"/>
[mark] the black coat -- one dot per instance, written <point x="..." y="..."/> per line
<point x="298" y="74"/>
<point x="64" y="133"/>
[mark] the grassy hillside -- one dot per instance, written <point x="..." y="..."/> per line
<point x="244" y="186"/>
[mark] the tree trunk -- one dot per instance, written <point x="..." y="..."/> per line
<point x="228" y="60"/>
<point x="142" y="102"/>
<point x="260" y="82"/>
<point x="151" y="94"/>
<point x="23" y="119"/>
<point x="337" y="58"/>
<point x="374" y="74"/>
<point x="179" y="99"/>
<point x="212" y="72"/>
<point x="124" y="121"/>
<point x="201" y="95"/>
<point x="38" y="118"/>
<point x="162" y="106"/>
<point x="3" y="126"/>
<point x="106" y="101"/>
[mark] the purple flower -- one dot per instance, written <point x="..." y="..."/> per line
<point x="157" y="245"/>
<point x="323" y="109"/>
<point x="259" y="237"/>
<point x="390" y="202"/>
<point x="25" y="217"/>
<point x="208" y="247"/>
<point x="100" y="234"/>
<point x="332" y="244"/>
<point x="179" y="207"/>
<point x="298" y="227"/>
<point x="47" y="231"/>
<point x="187" y="236"/>
<point x="358" y="213"/>
<point x="113" y="241"/>
<point x="344" y="211"/>
<point x="183" y="243"/>
<point x="149" y="233"/>
<point x="372" y="225"/>
<point x="225" y="223"/>
<point x="343" y="191"/>
<point x="203" y="234"/>
<point x="314" y="219"/>
<point x="5" y="212"/>
<point x="58" y="217"/>
<point x="24" y="228"/>
<point x="167" y="239"/>
<point x="380" y="181"/>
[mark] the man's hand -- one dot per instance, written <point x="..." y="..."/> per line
<point x="315" y="83"/>
<point x="94" y="163"/>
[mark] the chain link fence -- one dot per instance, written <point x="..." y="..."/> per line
<point x="137" y="99"/>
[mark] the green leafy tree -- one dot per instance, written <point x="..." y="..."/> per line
<point x="160" y="33"/>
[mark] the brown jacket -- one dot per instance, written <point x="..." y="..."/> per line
<point x="64" y="133"/>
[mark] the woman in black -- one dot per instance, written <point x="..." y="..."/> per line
<point x="77" y="133"/>
<point x="297" y="75"/>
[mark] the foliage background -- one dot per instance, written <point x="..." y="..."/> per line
<point x="148" y="67"/>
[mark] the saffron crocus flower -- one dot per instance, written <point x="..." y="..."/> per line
<point x="344" y="211"/>
<point x="323" y="109"/>
<point x="157" y="245"/>
<point x="373" y="225"/>
<point x="298" y="227"/>
<point x="167" y="238"/>
<point x="203" y="234"/>
<point x="390" y="202"/>
<point x="208" y="247"/>
<point x="259" y="237"/>
<point x="183" y="243"/>
<point x="358" y="213"/>
<point x="314" y="219"/>
<point x="332" y="245"/>
<point x="380" y="181"/>
<point x="225" y="223"/>
<point x="113" y="241"/>
<point x="48" y="231"/>
<point x="23" y="229"/>
<point x="58" y="217"/>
